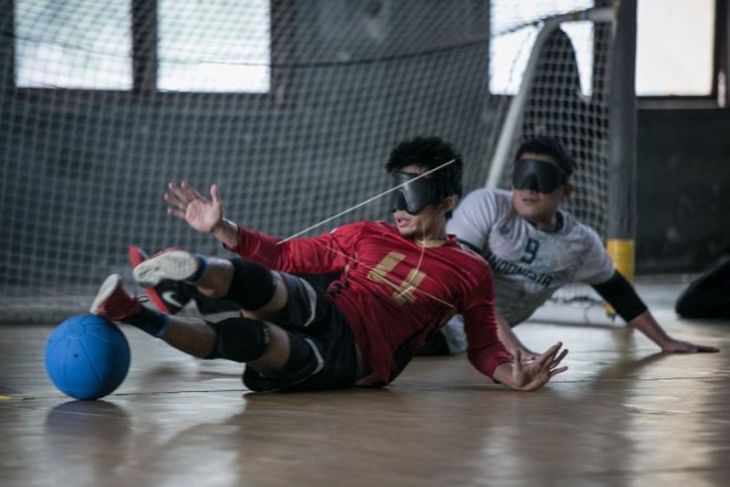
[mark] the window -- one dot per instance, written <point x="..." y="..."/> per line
<point x="214" y="46"/>
<point x="73" y="44"/>
<point x="675" y="47"/>
<point x="207" y="46"/>
<point x="510" y="44"/>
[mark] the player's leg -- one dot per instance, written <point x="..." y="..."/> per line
<point x="168" y="296"/>
<point x="264" y="346"/>
<point x="248" y="284"/>
<point x="171" y="296"/>
<point x="708" y="296"/>
<point x="314" y="348"/>
<point x="322" y="349"/>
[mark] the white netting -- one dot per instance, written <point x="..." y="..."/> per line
<point x="568" y="98"/>
<point x="291" y="106"/>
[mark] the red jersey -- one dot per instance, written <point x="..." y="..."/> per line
<point x="393" y="291"/>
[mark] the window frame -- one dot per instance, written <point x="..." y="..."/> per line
<point x="717" y="98"/>
<point x="145" y="65"/>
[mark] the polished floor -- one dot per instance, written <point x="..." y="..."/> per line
<point x="623" y="415"/>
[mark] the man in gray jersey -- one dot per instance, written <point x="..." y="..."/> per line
<point x="534" y="248"/>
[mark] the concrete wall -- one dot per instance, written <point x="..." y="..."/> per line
<point x="683" y="188"/>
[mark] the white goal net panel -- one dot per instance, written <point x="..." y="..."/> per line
<point x="559" y="82"/>
<point x="291" y="106"/>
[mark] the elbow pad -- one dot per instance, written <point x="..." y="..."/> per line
<point x="620" y="294"/>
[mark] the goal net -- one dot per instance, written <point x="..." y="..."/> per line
<point x="292" y="107"/>
<point x="559" y="84"/>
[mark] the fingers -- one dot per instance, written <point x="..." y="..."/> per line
<point x="559" y="359"/>
<point x="175" y="212"/>
<point x="551" y="368"/>
<point x="686" y="347"/>
<point x="176" y="197"/>
<point x="179" y="197"/>
<point x="549" y="361"/>
<point x="215" y="194"/>
<point x="557" y="371"/>
<point x="548" y="356"/>
<point x="189" y="191"/>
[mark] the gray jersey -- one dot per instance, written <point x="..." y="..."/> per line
<point x="529" y="265"/>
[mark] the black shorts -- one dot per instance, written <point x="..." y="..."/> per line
<point x="312" y="320"/>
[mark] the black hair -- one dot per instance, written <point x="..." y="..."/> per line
<point x="429" y="153"/>
<point x="551" y="147"/>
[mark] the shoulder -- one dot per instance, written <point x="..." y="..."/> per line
<point x="590" y="236"/>
<point x="468" y="259"/>
<point x="582" y="235"/>
<point x="573" y="226"/>
<point x="489" y="203"/>
<point x="488" y="196"/>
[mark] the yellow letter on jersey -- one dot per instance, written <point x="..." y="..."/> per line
<point x="405" y="291"/>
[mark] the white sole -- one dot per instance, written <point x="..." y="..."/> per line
<point x="109" y="285"/>
<point x="175" y="265"/>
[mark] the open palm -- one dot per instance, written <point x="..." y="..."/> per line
<point x="201" y="213"/>
<point x="530" y="376"/>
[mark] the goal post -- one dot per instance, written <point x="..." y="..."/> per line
<point x="622" y="146"/>
<point x="504" y="148"/>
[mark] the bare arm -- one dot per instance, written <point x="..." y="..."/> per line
<point x="531" y="376"/>
<point x="226" y="232"/>
<point x="622" y="295"/>
<point x="510" y="340"/>
<point x="646" y="324"/>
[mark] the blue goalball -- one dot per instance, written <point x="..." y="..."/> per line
<point x="87" y="357"/>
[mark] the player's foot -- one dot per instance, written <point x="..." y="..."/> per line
<point x="171" y="264"/>
<point x="167" y="296"/>
<point x="113" y="302"/>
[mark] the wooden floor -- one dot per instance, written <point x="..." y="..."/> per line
<point x="621" y="416"/>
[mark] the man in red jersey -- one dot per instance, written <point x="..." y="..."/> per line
<point x="398" y="284"/>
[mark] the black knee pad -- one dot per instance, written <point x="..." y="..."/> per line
<point x="304" y="361"/>
<point x="252" y="285"/>
<point x="240" y="339"/>
<point x="304" y="358"/>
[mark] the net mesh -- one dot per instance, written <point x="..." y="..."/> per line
<point x="568" y="99"/>
<point x="292" y="107"/>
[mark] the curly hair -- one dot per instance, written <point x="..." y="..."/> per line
<point x="429" y="153"/>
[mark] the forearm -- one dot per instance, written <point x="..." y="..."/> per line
<point x="507" y="336"/>
<point x="646" y="324"/>
<point x="226" y="232"/>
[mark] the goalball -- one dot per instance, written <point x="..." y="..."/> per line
<point x="87" y="357"/>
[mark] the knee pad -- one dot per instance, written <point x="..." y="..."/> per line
<point x="252" y="285"/>
<point x="304" y="358"/>
<point x="240" y="339"/>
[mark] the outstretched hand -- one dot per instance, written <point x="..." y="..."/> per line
<point x="201" y="213"/>
<point x="678" y="346"/>
<point x="530" y="376"/>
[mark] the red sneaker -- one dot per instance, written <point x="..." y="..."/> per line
<point x="168" y="296"/>
<point x="136" y="255"/>
<point x="113" y="302"/>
